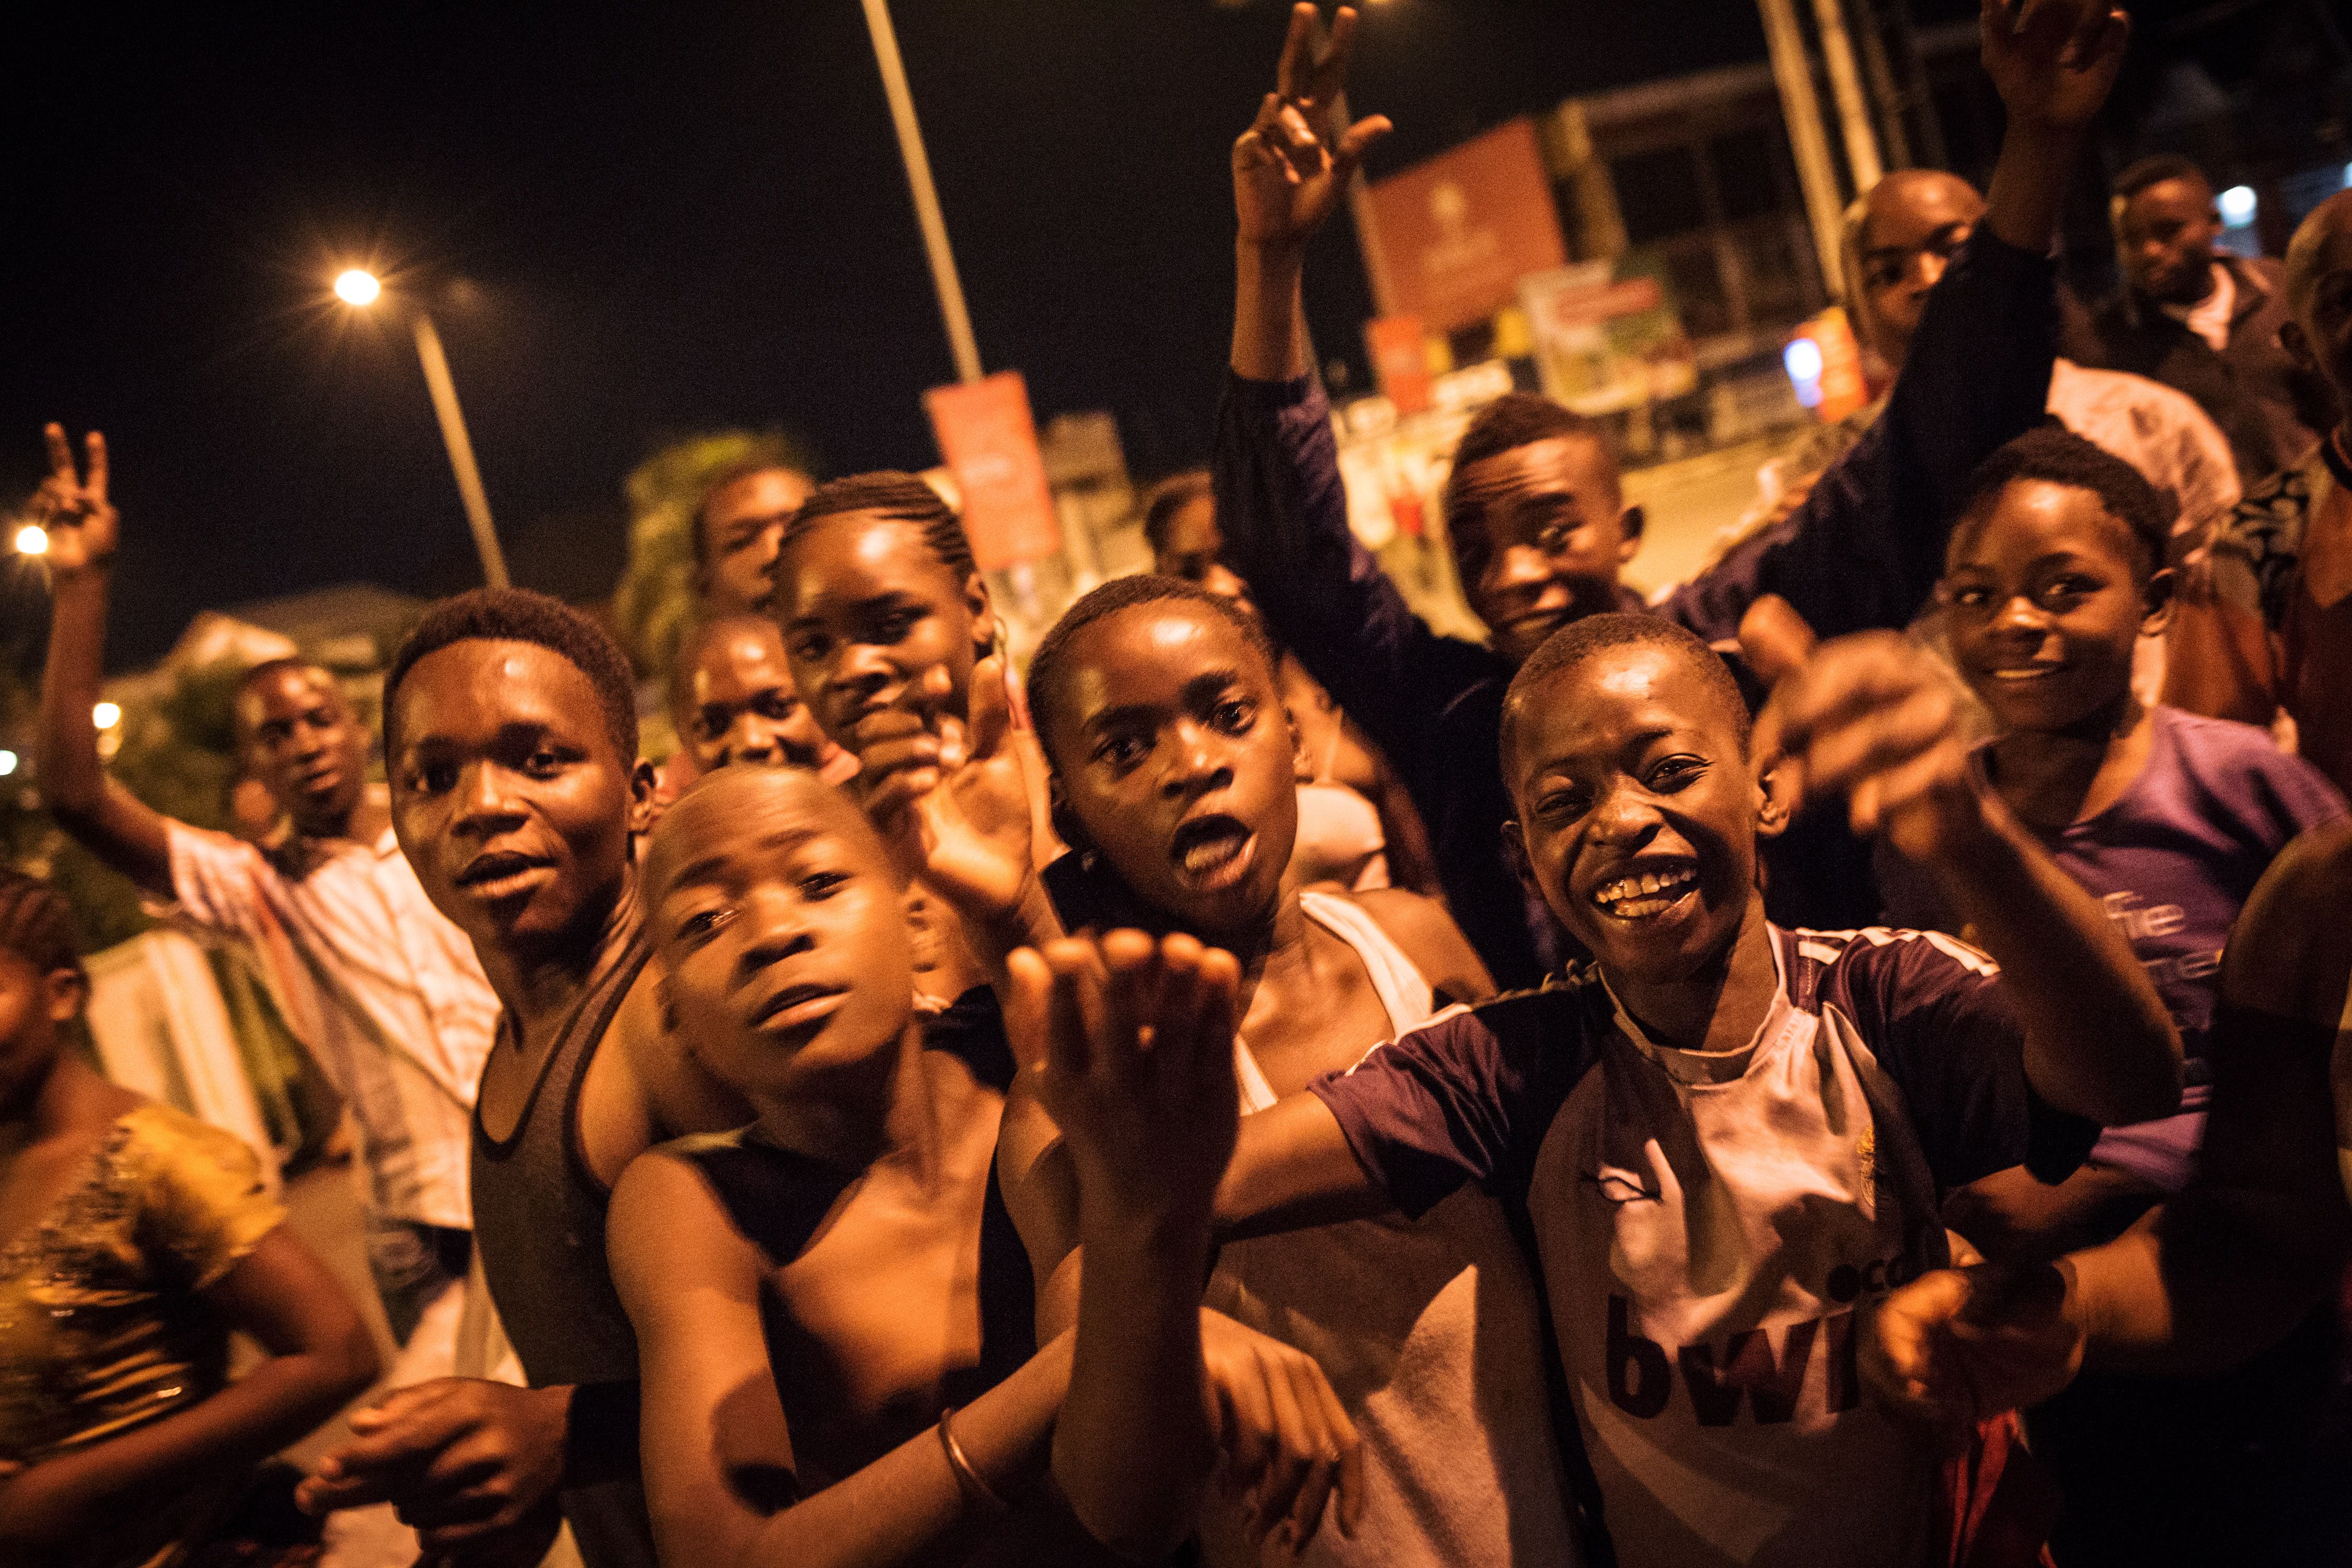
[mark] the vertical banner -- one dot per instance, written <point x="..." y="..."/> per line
<point x="990" y="441"/>
<point x="1400" y="361"/>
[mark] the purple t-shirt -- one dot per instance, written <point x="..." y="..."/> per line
<point x="1707" y="1225"/>
<point x="2173" y="861"/>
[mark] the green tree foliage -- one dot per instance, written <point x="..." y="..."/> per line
<point x="655" y="602"/>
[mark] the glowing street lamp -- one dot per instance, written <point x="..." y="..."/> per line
<point x="32" y="540"/>
<point x="360" y="288"/>
<point x="105" y="715"/>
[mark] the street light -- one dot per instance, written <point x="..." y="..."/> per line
<point x="105" y="715"/>
<point x="32" y="540"/>
<point x="360" y="288"/>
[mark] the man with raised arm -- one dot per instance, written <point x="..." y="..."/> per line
<point x="386" y="995"/>
<point x="1535" y="514"/>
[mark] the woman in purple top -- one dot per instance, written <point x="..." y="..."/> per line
<point x="2053" y="573"/>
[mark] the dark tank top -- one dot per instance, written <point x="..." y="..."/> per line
<point x="777" y="1198"/>
<point x="539" y="1223"/>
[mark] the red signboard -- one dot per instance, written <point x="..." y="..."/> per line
<point x="1400" y="361"/>
<point x="1451" y="236"/>
<point x="990" y="442"/>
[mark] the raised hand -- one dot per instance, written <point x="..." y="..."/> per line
<point x="1289" y="1446"/>
<point x="949" y="796"/>
<point x="1873" y="717"/>
<point x="1958" y="1346"/>
<point x="73" y="509"/>
<point x="1137" y="1068"/>
<point x="2053" y="61"/>
<point x="1291" y="167"/>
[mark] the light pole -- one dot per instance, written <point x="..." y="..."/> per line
<point x="360" y="290"/>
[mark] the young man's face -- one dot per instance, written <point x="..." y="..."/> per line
<point x="2043" y="606"/>
<point x="866" y="607"/>
<point x="509" y="798"/>
<point x="1639" y="811"/>
<point x="740" y="528"/>
<point x="739" y="704"/>
<point x="1172" y="748"/>
<point x="781" y="930"/>
<point x="298" y="736"/>
<point x="2320" y="336"/>
<point x="1193" y="551"/>
<point x="1540" y="533"/>
<point x="1919" y="221"/>
<point x="2164" y="241"/>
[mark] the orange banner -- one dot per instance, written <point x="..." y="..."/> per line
<point x="1400" y="361"/>
<point x="990" y="441"/>
<point x="1453" y="235"/>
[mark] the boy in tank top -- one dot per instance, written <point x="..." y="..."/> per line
<point x="511" y="733"/>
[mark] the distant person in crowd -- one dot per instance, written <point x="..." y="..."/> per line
<point x="387" y="995"/>
<point x="1534" y="513"/>
<point x="137" y="1240"/>
<point x="731" y="699"/>
<point x="736" y="527"/>
<point x="1722" y="1141"/>
<point x="2221" y="1273"/>
<point x="1357" y="825"/>
<point x="2206" y="321"/>
<point x="510" y="737"/>
<point x="2169" y="820"/>
<point x="1161" y="712"/>
<point x="2281" y="569"/>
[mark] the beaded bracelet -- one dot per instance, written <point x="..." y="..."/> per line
<point x="968" y="1480"/>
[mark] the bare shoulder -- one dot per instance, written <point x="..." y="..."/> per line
<point x="2290" y="953"/>
<point x="664" y="1231"/>
<point x="1422" y="927"/>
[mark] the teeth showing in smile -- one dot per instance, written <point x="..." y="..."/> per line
<point x="1648" y="893"/>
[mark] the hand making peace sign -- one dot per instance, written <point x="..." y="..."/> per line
<point x="75" y="512"/>
<point x="1292" y="165"/>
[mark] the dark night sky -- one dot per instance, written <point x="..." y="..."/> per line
<point x="666" y="218"/>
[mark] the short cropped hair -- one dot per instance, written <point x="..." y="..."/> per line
<point x="519" y="615"/>
<point x="1513" y="420"/>
<point x="727" y="479"/>
<point x="1570" y="647"/>
<point x="1049" y="676"/>
<point x="36" y="924"/>
<point x="697" y="641"/>
<point x="1169" y="496"/>
<point x="2055" y="454"/>
<point x="891" y="494"/>
<point x="268" y="668"/>
<point x="2154" y="171"/>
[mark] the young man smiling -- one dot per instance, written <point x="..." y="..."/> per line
<point x="1534" y="513"/>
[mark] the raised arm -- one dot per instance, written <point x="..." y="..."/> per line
<point x="1867" y="545"/>
<point x="81" y="523"/>
<point x="1870" y="718"/>
<point x="318" y="1357"/>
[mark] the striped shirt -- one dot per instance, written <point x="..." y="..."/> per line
<point x="385" y="993"/>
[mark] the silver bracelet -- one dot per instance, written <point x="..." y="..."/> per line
<point x="968" y="1480"/>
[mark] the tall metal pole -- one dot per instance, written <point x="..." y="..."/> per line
<point x="1845" y="86"/>
<point x="927" y="195"/>
<point x="461" y="451"/>
<point x="1794" y="73"/>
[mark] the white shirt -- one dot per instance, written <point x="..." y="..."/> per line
<point x="384" y="992"/>
<point x="2209" y="317"/>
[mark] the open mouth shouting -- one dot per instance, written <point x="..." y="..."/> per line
<point x="798" y="1007"/>
<point x="1648" y="893"/>
<point x="502" y="874"/>
<point x="1213" y="852"/>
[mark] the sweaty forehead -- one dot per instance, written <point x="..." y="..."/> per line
<point x="1579" y="462"/>
<point x="743" y="813"/>
<point x="282" y="694"/>
<point x="1908" y="207"/>
<point x="1150" y="651"/>
<point x="1598" y="707"/>
<point x="473" y="686"/>
<point x="2036" y="518"/>
<point x="855" y="554"/>
<point x="763" y="494"/>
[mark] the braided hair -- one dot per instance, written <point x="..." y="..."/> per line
<point x="901" y="497"/>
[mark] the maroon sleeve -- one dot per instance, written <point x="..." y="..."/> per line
<point x="1466" y="1097"/>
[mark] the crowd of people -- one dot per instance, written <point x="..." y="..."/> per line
<point x="1837" y="1064"/>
